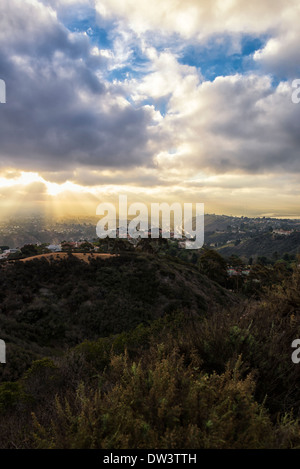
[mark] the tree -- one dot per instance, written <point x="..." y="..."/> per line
<point x="212" y="264"/>
<point x="275" y="255"/>
<point x="29" y="250"/>
<point x="262" y="260"/>
<point x="86" y="247"/>
<point x="235" y="261"/>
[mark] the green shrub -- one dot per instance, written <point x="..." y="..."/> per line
<point x="161" y="404"/>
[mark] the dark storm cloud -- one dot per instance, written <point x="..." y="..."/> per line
<point x="250" y="126"/>
<point x="59" y="114"/>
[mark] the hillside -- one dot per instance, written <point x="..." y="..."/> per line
<point x="264" y="245"/>
<point x="50" y="304"/>
<point x="142" y="351"/>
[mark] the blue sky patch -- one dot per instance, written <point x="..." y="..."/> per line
<point x="220" y="56"/>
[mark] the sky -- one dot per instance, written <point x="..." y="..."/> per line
<point x="164" y="101"/>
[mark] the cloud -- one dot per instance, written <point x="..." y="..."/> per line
<point x="59" y="112"/>
<point x="281" y="55"/>
<point x="235" y="123"/>
<point x="199" y="21"/>
<point x="115" y="105"/>
<point x="194" y="18"/>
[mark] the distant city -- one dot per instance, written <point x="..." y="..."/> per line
<point x="229" y="235"/>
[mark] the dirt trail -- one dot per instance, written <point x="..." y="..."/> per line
<point x="61" y="255"/>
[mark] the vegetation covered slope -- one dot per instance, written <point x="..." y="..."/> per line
<point x="221" y="377"/>
<point x="47" y="307"/>
<point x="264" y="245"/>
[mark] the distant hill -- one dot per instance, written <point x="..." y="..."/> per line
<point x="266" y="245"/>
<point x="219" y="222"/>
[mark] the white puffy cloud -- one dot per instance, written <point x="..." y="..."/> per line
<point x="235" y="123"/>
<point x="195" y="20"/>
<point x="281" y="54"/>
<point x="199" y="18"/>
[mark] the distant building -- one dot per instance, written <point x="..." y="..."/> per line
<point x="283" y="232"/>
<point x="7" y="252"/>
<point x="231" y="272"/>
<point x="238" y="271"/>
<point x="54" y="247"/>
<point x="246" y="272"/>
